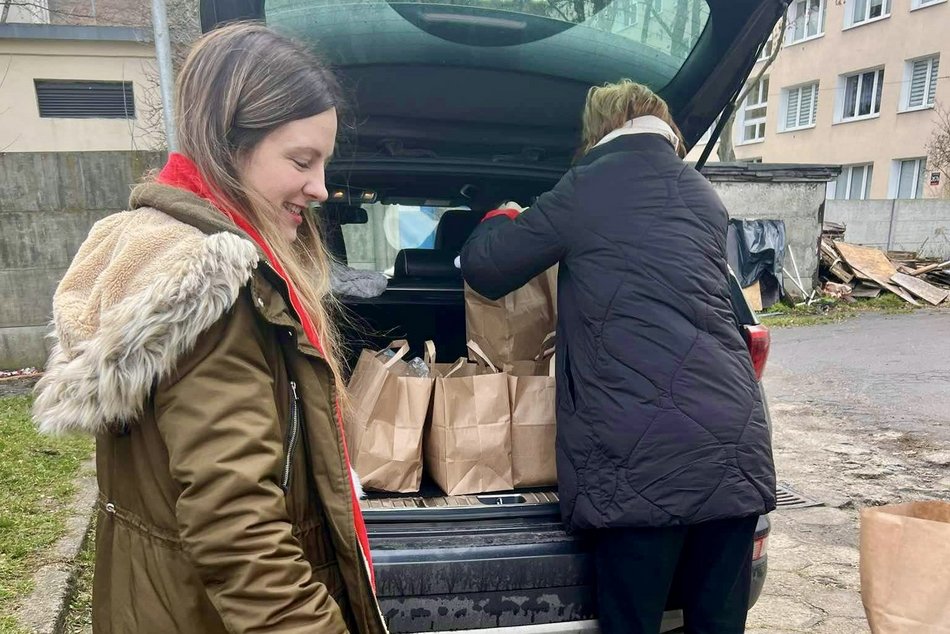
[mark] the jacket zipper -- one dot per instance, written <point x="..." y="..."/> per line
<point x="292" y="435"/>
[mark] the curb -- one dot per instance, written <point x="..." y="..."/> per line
<point x="44" y="611"/>
<point x="18" y="385"/>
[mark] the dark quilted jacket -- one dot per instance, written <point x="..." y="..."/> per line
<point x="660" y="418"/>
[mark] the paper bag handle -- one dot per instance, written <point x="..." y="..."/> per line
<point x="455" y="368"/>
<point x="429" y="352"/>
<point x="547" y="347"/>
<point x="480" y="357"/>
<point x="401" y="346"/>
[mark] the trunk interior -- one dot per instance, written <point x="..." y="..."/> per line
<point x="418" y="310"/>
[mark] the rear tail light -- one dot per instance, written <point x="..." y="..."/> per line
<point x="759" y="547"/>
<point x="758" y="339"/>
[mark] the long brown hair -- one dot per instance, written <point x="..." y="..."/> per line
<point x="609" y="106"/>
<point x="238" y="84"/>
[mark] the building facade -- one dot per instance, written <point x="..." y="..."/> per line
<point x="857" y="83"/>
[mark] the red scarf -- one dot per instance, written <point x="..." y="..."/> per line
<point x="180" y="172"/>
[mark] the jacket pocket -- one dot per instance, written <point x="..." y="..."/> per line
<point x="568" y="395"/>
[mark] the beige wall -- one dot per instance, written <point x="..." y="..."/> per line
<point x="23" y="60"/>
<point x="888" y="42"/>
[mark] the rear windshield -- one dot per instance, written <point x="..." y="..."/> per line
<point x="669" y="26"/>
<point x="645" y="40"/>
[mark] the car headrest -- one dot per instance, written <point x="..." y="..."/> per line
<point x="426" y="263"/>
<point x="454" y="228"/>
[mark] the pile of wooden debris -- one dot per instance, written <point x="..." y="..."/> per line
<point x="849" y="271"/>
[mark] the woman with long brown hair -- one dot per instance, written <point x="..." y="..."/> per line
<point x="195" y="338"/>
<point x="663" y="448"/>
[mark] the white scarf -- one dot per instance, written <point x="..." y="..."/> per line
<point x="647" y="124"/>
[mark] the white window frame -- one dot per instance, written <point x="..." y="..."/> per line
<point x="923" y="4"/>
<point x="921" y="173"/>
<point x="767" y="49"/>
<point x="793" y="19"/>
<point x="929" y="87"/>
<point x="847" y="171"/>
<point x="840" y="115"/>
<point x="786" y="102"/>
<point x="762" y="93"/>
<point x="851" y="20"/>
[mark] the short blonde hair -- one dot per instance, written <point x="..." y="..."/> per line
<point x="610" y="106"/>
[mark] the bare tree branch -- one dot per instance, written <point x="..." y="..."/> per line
<point x="938" y="147"/>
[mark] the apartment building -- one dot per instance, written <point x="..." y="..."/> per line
<point x="857" y="83"/>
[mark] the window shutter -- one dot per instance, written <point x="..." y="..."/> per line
<point x="918" y="83"/>
<point x="791" y="114"/>
<point x="807" y="105"/>
<point x="932" y="87"/>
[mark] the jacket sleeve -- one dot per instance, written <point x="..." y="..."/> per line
<point x="218" y="418"/>
<point x="502" y="255"/>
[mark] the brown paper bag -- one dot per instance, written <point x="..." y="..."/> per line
<point x="531" y="387"/>
<point x="905" y="568"/>
<point x="511" y="329"/>
<point x="385" y="420"/>
<point x="468" y="445"/>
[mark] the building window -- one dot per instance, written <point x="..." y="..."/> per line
<point x="801" y="107"/>
<point x="862" y="94"/>
<point x="85" y="99"/>
<point x="920" y="4"/>
<point x="766" y="51"/>
<point x="862" y="11"/>
<point x="908" y="178"/>
<point x="854" y="183"/>
<point x="920" y="82"/>
<point x="806" y="20"/>
<point x="753" y="112"/>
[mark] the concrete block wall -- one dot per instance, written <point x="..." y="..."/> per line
<point x="922" y="226"/>
<point x="48" y="202"/>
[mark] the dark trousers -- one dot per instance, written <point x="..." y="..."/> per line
<point x="707" y="566"/>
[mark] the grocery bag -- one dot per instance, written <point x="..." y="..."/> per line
<point x="385" y="418"/>
<point x="511" y="328"/>
<point x="905" y="568"/>
<point x="533" y="418"/>
<point x="468" y="444"/>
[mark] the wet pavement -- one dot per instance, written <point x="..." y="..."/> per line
<point x="861" y="417"/>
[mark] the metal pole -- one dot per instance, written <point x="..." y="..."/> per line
<point x="163" y="55"/>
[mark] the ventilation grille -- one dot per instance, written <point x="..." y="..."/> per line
<point x="85" y="99"/>
<point x="786" y="498"/>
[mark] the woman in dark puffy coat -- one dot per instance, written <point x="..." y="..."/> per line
<point x="663" y="447"/>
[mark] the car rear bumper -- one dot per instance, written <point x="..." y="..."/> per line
<point x="509" y="576"/>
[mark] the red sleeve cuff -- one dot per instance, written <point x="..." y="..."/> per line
<point x="510" y="213"/>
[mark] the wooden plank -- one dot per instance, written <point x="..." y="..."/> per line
<point x="870" y="261"/>
<point x="871" y="264"/>
<point x="753" y="295"/>
<point x="865" y="291"/>
<point x="920" y="288"/>
<point x="928" y="269"/>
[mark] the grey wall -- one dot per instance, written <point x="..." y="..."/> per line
<point x="48" y="202"/>
<point x="794" y="194"/>
<point x="922" y="226"/>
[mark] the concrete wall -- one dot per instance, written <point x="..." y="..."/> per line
<point x="48" y="202"/>
<point x="922" y="226"/>
<point x="779" y="192"/>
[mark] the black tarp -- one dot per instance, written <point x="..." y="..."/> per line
<point x="756" y="252"/>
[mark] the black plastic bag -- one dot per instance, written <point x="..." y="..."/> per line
<point x="756" y="252"/>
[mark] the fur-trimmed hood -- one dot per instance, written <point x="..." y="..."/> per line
<point x="142" y="288"/>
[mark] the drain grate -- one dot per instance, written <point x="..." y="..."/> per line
<point x="789" y="499"/>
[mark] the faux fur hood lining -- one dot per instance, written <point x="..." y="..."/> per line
<point x="139" y="293"/>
